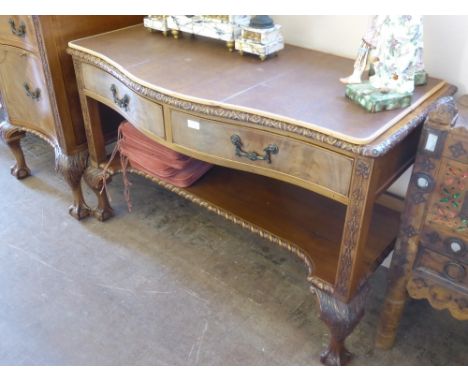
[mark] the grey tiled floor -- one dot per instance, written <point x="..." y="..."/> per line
<point x="169" y="283"/>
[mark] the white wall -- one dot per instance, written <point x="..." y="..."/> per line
<point x="445" y="47"/>
<point x="445" y="40"/>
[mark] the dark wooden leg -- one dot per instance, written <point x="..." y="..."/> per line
<point x="393" y="307"/>
<point x="12" y="138"/>
<point x="71" y="167"/>
<point x="341" y="319"/>
<point x="95" y="180"/>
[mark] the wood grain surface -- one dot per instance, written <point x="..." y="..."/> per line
<point x="298" y="86"/>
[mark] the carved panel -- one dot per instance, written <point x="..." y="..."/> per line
<point x="448" y="200"/>
<point x="439" y="297"/>
<point x="235" y="115"/>
<point x="457" y="150"/>
<point x="352" y="228"/>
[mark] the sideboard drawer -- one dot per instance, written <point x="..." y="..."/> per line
<point x="454" y="245"/>
<point x="443" y="267"/>
<point x="25" y="91"/>
<point x="251" y="148"/>
<point x="18" y="31"/>
<point x="141" y="112"/>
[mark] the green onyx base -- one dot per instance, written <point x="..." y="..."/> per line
<point x="373" y="100"/>
<point x="420" y="78"/>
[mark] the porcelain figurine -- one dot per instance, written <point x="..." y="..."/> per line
<point x="393" y="48"/>
<point x="363" y="59"/>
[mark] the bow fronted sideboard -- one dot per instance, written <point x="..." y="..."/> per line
<point x="294" y="161"/>
<point x="38" y="90"/>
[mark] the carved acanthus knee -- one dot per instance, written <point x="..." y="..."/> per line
<point x="95" y="179"/>
<point x="341" y="318"/>
<point x="71" y="167"/>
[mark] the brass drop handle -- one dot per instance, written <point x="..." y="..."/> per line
<point x="19" y="31"/>
<point x="120" y="102"/>
<point x="34" y="94"/>
<point x="252" y="155"/>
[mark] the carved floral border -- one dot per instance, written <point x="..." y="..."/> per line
<point x="239" y="116"/>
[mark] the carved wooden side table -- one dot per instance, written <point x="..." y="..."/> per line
<point x="295" y="162"/>
<point x="38" y="87"/>
<point x="431" y="255"/>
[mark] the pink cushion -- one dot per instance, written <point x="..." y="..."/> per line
<point x="135" y="141"/>
<point x="151" y="157"/>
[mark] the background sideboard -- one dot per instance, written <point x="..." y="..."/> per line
<point x="39" y="92"/>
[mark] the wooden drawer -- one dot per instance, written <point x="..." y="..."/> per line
<point x="144" y="114"/>
<point x="18" y="31"/>
<point x="298" y="162"/>
<point x="449" y="244"/>
<point x="442" y="267"/>
<point x="24" y="90"/>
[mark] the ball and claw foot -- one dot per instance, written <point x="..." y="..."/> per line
<point x="20" y="172"/>
<point x="230" y="45"/>
<point x="175" y="34"/>
<point x="339" y="356"/>
<point x="263" y="57"/>
<point x="79" y="212"/>
<point x="103" y="214"/>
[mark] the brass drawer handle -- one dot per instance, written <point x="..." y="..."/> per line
<point x="35" y="94"/>
<point x="120" y="102"/>
<point x="17" y="31"/>
<point x="252" y="155"/>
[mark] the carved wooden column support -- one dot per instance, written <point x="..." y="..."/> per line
<point x="396" y="295"/>
<point x="71" y="167"/>
<point x="12" y="138"/>
<point x="393" y="306"/>
<point x="95" y="179"/>
<point x="341" y="319"/>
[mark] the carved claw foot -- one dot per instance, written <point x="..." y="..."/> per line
<point x="341" y="319"/>
<point x="95" y="179"/>
<point x="20" y="172"/>
<point x="13" y="137"/>
<point x="79" y="211"/>
<point x="336" y="354"/>
<point x="71" y="167"/>
<point x="103" y="214"/>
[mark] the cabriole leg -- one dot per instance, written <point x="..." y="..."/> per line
<point x="341" y="319"/>
<point x="95" y="180"/>
<point x="71" y="167"/>
<point x="12" y="138"/>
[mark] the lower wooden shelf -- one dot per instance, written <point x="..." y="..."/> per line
<point x="308" y="221"/>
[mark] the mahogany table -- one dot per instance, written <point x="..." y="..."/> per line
<point x="295" y="161"/>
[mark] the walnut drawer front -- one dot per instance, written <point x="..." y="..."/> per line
<point x="443" y="268"/>
<point x="264" y="152"/>
<point x="24" y="90"/>
<point x="141" y="112"/>
<point x="18" y="31"/>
